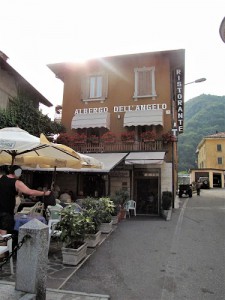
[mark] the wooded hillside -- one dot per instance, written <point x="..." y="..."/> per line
<point x="203" y="115"/>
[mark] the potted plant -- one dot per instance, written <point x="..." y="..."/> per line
<point x="148" y="136"/>
<point x="108" y="137"/>
<point x="73" y="227"/>
<point x="120" y="198"/>
<point x="106" y="207"/>
<point x="91" y="211"/>
<point x="128" y="137"/>
<point x="167" y="197"/>
<point x="168" y="137"/>
<point x="80" y="138"/>
<point x="92" y="228"/>
<point x="94" y="139"/>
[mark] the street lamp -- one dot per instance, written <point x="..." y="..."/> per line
<point x="196" y="81"/>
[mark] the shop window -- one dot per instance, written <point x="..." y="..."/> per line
<point x="219" y="147"/>
<point x="94" y="87"/>
<point x="144" y="82"/>
<point x="219" y="160"/>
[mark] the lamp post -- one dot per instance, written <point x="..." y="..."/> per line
<point x="196" y="81"/>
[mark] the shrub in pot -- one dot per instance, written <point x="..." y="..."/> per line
<point x="119" y="199"/>
<point x="166" y="200"/>
<point x="92" y="227"/>
<point x="106" y="208"/>
<point x="73" y="227"/>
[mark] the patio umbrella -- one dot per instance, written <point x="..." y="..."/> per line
<point x="86" y="160"/>
<point x="17" y="146"/>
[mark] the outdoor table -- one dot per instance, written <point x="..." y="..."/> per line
<point x="21" y="220"/>
<point x="26" y="204"/>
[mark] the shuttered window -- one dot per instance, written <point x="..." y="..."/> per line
<point x="94" y="87"/>
<point x="144" y="82"/>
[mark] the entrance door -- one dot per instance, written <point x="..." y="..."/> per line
<point x="147" y="196"/>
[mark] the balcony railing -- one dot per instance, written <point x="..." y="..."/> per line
<point x="121" y="147"/>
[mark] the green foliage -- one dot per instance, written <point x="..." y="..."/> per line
<point x="74" y="227"/>
<point x="22" y="113"/>
<point x="120" y="198"/>
<point x="203" y="115"/>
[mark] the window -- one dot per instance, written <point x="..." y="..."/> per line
<point x="219" y="147"/>
<point x="219" y="160"/>
<point x="94" y="87"/>
<point x="144" y="82"/>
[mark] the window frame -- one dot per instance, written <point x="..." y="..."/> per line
<point x="94" y="87"/>
<point x="137" y="73"/>
<point x="219" y="147"/>
<point x="219" y="160"/>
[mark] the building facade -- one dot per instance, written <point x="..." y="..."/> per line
<point x="12" y="84"/>
<point x="211" y="159"/>
<point x="126" y="111"/>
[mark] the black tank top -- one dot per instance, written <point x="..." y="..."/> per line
<point x="7" y="194"/>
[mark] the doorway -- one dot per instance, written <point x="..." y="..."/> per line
<point x="147" y="196"/>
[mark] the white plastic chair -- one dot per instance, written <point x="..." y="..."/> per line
<point x="36" y="210"/>
<point x="131" y="205"/>
<point x="53" y="218"/>
<point x="7" y="248"/>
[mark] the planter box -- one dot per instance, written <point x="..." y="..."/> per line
<point x="93" y="239"/>
<point x="106" y="227"/>
<point x="74" y="256"/>
<point x="115" y="219"/>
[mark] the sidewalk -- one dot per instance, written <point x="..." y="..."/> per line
<point x="57" y="275"/>
<point x="107" y="270"/>
<point x="8" y="292"/>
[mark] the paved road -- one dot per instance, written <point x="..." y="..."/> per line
<point x="151" y="259"/>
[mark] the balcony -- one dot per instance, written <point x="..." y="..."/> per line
<point x="121" y="147"/>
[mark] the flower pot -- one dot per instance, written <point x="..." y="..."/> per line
<point x="93" y="239"/>
<point x="106" y="227"/>
<point x="74" y="256"/>
<point x="122" y="214"/>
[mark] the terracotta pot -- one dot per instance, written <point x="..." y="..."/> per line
<point x="122" y="214"/>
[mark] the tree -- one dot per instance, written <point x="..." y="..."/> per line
<point x="22" y="113"/>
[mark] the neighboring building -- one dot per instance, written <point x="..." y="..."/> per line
<point x="127" y="95"/>
<point x="12" y="83"/>
<point x="211" y="159"/>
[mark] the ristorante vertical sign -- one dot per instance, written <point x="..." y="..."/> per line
<point x="180" y="99"/>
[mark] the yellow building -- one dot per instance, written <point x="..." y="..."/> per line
<point x="127" y="111"/>
<point x="211" y="159"/>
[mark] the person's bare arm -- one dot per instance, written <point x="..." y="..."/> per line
<point x="21" y="187"/>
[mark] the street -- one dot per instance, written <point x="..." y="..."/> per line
<point x="150" y="259"/>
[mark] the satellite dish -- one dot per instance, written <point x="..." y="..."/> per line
<point x="222" y="30"/>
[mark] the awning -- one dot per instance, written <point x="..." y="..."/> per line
<point x="91" y="120"/>
<point x="142" y="158"/>
<point x="143" y="117"/>
<point x="109" y="160"/>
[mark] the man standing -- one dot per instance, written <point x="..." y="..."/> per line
<point x="9" y="188"/>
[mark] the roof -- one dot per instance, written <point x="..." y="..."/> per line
<point x="8" y="68"/>
<point x="177" y="56"/>
<point x="217" y="135"/>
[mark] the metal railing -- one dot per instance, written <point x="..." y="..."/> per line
<point x="121" y="147"/>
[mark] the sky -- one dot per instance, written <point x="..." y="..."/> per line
<point x="34" y="34"/>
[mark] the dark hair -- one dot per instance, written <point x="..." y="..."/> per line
<point x="4" y="169"/>
<point x="14" y="168"/>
